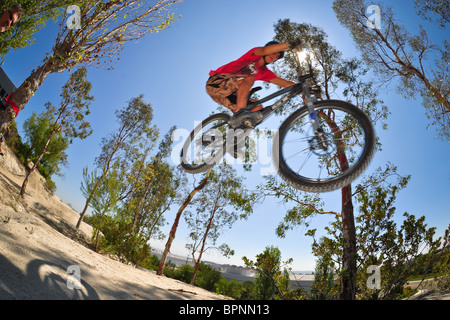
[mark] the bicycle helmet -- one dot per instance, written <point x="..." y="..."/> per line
<point x="275" y="42"/>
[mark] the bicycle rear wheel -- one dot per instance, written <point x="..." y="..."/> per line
<point x="310" y="165"/>
<point x="205" y="146"/>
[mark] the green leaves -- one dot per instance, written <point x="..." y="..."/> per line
<point x="36" y="14"/>
<point x="272" y="278"/>
<point x="50" y="133"/>
<point x="135" y="186"/>
<point x="392" y="51"/>
<point x="432" y="9"/>
<point x="38" y="136"/>
<point x="401" y="247"/>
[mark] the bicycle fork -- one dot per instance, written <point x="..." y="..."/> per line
<point x="318" y="131"/>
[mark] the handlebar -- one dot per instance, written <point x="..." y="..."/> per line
<point x="305" y="77"/>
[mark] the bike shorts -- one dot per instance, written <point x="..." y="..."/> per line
<point x="223" y="87"/>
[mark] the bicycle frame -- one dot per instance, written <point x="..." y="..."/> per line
<point x="301" y="86"/>
<point x="322" y="138"/>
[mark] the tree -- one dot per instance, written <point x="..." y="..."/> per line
<point x="104" y="198"/>
<point x="272" y="279"/>
<point x="134" y="134"/>
<point x="399" y="251"/>
<point x="35" y="15"/>
<point x="324" y="285"/>
<point x="157" y="189"/>
<point x="235" y="289"/>
<point x="129" y="202"/>
<point x="224" y="191"/>
<point x="268" y="268"/>
<point x="335" y="73"/>
<point x="392" y="52"/>
<point x="105" y="26"/>
<point x="442" y="265"/>
<point x="436" y="8"/>
<point x="174" y="228"/>
<point x="37" y="129"/>
<point x="70" y="121"/>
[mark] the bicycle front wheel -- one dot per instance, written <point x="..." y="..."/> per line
<point x="205" y="146"/>
<point x="326" y="162"/>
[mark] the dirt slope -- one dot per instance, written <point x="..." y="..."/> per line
<point x="37" y="249"/>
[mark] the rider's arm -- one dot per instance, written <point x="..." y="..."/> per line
<point x="282" y="82"/>
<point x="274" y="48"/>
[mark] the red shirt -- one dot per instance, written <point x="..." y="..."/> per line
<point x="247" y="65"/>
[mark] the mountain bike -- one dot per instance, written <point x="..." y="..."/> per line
<point x="322" y="146"/>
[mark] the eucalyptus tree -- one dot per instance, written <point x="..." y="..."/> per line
<point x="390" y="250"/>
<point x="104" y="198"/>
<point x="173" y="230"/>
<point x="272" y="280"/>
<point x="157" y="189"/>
<point x="93" y="33"/>
<point x="339" y="76"/>
<point x="37" y="129"/>
<point x="130" y="201"/>
<point x="69" y="118"/>
<point x="131" y="141"/>
<point x="432" y="9"/>
<point x="36" y="14"/>
<point x="222" y="202"/>
<point x="394" y="52"/>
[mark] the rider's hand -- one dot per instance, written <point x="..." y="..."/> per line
<point x="295" y="43"/>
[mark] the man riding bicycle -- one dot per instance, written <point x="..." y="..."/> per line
<point x="335" y="145"/>
<point x="230" y="84"/>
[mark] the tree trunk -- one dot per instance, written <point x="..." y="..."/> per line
<point x="27" y="89"/>
<point x="162" y="262"/>
<point x="141" y="203"/>
<point x="348" y="279"/>
<point x="25" y="182"/>
<point x="349" y="255"/>
<point x="205" y="236"/>
<point x="97" y="232"/>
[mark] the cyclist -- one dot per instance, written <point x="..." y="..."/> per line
<point x="10" y="16"/>
<point x="230" y="84"/>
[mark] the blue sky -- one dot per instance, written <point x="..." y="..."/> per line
<point x="170" y="68"/>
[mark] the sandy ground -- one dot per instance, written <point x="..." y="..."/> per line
<point x="38" y="252"/>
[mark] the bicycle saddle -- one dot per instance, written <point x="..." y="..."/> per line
<point x="253" y="90"/>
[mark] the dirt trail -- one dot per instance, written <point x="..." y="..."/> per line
<point x="38" y="248"/>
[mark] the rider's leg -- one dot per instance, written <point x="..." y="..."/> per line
<point x="226" y="88"/>
<point x="222" y="88"/>
<point x="245" y="86"/>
